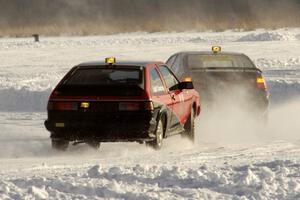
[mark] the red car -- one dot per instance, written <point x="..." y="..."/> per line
<point x="114" y="102"/>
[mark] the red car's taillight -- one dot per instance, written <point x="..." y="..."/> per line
<point x="261" y="83"/>
<point x="54" y="94"/>
<point x="136" y="106"/>
<point x="62" y="105"/>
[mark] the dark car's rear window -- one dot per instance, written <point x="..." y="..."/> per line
<point x="218" y="61"/>
<point x="103" y="81"/>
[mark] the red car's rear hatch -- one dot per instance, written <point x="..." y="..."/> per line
<point x="101" y="100"/>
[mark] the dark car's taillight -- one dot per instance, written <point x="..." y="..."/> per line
<point x="62" y="105"/>
<point x="261" y="83"/>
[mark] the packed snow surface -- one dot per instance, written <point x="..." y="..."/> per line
<point x="230" y="160"/>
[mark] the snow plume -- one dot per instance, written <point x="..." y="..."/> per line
<point x="85" y="17"/>
<point x="229" y="117"/>
<point x="229" y="121"/>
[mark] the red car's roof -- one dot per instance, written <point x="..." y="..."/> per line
<point x="122" y="63"/>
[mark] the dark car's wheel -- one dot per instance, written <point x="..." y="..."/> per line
<point x="94" y="144"/>
<point x="189" y="127"/>
<point x="157" y="143"/>
<point x="59" y="144"/>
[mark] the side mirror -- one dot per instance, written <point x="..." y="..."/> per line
<point x="187" y="83"/>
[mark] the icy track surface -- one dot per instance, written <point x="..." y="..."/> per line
<point x="229" y="160"/>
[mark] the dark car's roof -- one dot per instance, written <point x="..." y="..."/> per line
<point x="121" y="63"/>
<point x="209" y="53"/>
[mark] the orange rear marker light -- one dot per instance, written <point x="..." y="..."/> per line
<point x="260" y="80"/>
<point x="149" y="106"/>
<point x="261" y="83"/>
<point x="188" y="79"/>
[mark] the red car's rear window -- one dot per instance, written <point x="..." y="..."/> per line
<point x="104" y="81"/>
<point x="106" y="77"/>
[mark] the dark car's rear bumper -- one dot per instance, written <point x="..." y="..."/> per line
<point x="109" y="127"/>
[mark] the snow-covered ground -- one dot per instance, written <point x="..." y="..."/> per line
<point x="229" y="160"/>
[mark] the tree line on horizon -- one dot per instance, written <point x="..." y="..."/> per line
<point x="21" y="17"/>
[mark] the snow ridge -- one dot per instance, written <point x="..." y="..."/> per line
<point x="278" y="179"/>
<point x="267" y="36"/>
<point x="23" y="100"/>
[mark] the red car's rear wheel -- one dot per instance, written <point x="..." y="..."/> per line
<point x="157" y="143"/>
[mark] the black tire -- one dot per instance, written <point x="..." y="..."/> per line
<point x="59" y="144"/>
<point x="94" y="144"/>
<point x="157" y="143"/>
<point x="189" y="127"/>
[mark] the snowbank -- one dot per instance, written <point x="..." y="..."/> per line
<point x="23" y="100"/>
<point x="267" y="36"/>
<point x="291" y="63"/>
<point x="282" y="91"/>
<point x="278" y="179"/>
